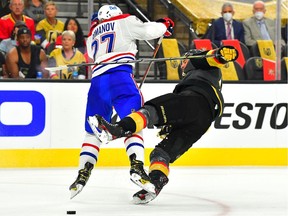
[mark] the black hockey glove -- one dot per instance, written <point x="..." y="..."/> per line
<point x="165" y="130"/>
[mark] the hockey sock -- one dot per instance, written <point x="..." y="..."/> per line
<point x="89" y="150"/>
<point x="160" y="166"/>
<point x="159" y="160"/>
<point x="135" y="145"/>
<point x="134" y="122"/>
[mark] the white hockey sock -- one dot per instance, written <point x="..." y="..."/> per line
<point x="135" y="144"/>
<point x="89" y="150"/>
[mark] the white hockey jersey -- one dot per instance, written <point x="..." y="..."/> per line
<point x="115" y="40"/>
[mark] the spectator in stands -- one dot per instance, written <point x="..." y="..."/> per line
<point x="25" y="60"/>
<point x="50" y="27"/>
<point x="258" y="27"/>
<point x="35" y="9"/>
<point x="7" y="44"/>
<point x="73" y="25"/>
<point x="4" y="7"/>
<point x="7" y="22"/>
<point x="225" y="27"/>
<point x="65" y="55"/>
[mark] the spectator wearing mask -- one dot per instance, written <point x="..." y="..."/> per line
<point x="225" y="27"/>
<point x="259" y="27"/>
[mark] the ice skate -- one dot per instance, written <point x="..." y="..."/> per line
<point x="139" y="176"/>
<point x="113" y="131"/>
<point x="102" y="135"/>
<point x="81" y="180"/>
<point x="159" y="180"/>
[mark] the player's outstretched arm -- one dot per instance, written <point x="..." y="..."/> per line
<point x="222" y="55"/>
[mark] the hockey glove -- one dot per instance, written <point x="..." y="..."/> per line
<point x="165" y="130"/>
<point x="222" y="56"/>
<point x="226" y="54"/>
<point x="169" y="25"/>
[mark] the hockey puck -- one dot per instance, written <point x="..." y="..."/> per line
<point x="71" y="212"/>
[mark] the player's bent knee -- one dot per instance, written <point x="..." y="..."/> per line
<point x="159" y="160"/>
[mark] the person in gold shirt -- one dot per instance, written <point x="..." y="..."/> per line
<point x="65" y="55"/>
<point x="48" y="29"/>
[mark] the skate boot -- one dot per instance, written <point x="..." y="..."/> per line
<point x="81" y="180"/>
<point x="159" y="180"/>
<point x="139" y="176"/>
<point x="103" y="136"/>
<point x="114" y="131"/>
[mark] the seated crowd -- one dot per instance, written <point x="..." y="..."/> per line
<point x="32" y="38"/>
<point x="31" y="28"/>
<point x="256" y="37"/>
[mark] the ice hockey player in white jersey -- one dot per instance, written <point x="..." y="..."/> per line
<point x="113" y="85"/>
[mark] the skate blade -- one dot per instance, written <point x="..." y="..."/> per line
<point x="146" y="185"/>
<point x="77" y="191"/>
<point x="148" y="198"/>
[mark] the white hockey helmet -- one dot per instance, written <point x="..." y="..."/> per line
<point x="108" y="11"/>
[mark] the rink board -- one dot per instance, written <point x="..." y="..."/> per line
<point x="22" y="158"/>
<point x="42" y="125"/>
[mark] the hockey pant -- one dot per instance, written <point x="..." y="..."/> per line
<point x="189" y="117"/>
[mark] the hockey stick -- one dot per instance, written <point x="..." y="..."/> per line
<point x="61" y="67"/>
<point x="114" y="117"/>
<point x="151" y="62"/>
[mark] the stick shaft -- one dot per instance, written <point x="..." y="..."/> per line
<point x="130" y="61"/>
<point x="151" y="62"/>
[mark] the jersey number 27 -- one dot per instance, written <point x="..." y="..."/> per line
<point x="106" y="42"/>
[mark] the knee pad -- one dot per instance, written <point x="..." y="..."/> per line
<point x="159" y="160"/>
<point x="160" y="155"/>
<point x="151" y="115"/>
